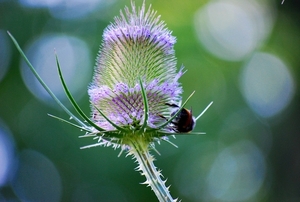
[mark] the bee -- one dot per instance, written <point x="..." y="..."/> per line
<point x="184" y="122"/>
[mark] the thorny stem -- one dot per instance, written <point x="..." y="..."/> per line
<point x="140" y="151"/>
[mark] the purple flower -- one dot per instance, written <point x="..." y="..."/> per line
<point x="136" y="46"/>
<point x="134" y="91"/>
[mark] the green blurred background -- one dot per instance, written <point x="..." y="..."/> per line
<point x="243" y="55"/>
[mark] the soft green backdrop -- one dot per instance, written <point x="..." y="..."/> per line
<point x="251" y="151"/>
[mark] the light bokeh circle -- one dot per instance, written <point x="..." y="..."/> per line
<point x="266" y="84"/>
<point x="231" y="29"/>
<point x="75" y="62"/>
<point x="37" y="179"/>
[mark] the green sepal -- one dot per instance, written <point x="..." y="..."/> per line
<point x="72" y="100"/>
<point x="146" y="106"/>
<point x="43" y="83"/>
<point x="108" y="120"/>
<point x="68" y="122"/>
<point x="161" y="134"/>
<point x="206" y="108"/>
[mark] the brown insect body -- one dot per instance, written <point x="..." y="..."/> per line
<point x="184" y="121"/>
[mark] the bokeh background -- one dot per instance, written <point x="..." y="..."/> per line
<point x="241" y="54"/>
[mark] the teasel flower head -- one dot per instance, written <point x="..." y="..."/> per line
<point x="135" y="77"/>
<point x="135" y="94"/>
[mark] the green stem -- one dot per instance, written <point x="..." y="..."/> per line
<point x="140" y="150"/>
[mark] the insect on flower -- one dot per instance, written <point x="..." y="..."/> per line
<point x="134" y="81"/>
<point x="184" y="121"/>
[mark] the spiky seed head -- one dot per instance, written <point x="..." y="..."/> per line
<point x="137" y="45"/>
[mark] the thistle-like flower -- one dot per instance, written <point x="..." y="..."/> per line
<point x="135" y="95"/>
<point x="135" y="77"/>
